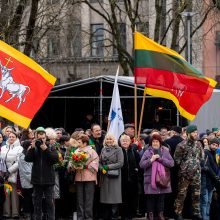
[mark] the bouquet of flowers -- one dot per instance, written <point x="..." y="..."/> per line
<point x="79" y="159"/>
<point x="61" y="161"/>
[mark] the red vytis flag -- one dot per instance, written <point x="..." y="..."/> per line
<point x="24" y="86"/>
<point x="166" y="74"/>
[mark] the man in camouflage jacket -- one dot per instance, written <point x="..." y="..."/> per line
<point x="188" y="156"/>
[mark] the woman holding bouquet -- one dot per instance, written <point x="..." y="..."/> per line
<point x="86" y="162"/>
<point x="111" y="162"/>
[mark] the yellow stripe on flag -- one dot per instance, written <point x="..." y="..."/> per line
<point x="15" y="117"/>
<point x="168" y="95"/>
<point x="26" y="61"/>
<point x="144" y="43"/>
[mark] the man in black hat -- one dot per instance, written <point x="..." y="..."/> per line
<point x="130" y="130"/>
<point x="188" y="156"/>
<point x="175" y="139"/>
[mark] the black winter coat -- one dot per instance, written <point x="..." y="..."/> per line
<point x="130" y="169"/>
<point x="43" y="170"/>
<point x="173" y="142"/>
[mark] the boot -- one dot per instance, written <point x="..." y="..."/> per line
<point x="150" y="216"/>
<point x="160" y="216"/>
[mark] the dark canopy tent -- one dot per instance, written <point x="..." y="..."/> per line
<point x="68" y="104"/>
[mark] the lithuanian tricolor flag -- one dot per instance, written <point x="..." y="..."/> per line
<point x="24" y="86"/>
<point x="167" y="74"/>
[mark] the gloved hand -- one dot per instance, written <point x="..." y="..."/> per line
<point x="105" y="167"/>
<point x="6" y="176"/>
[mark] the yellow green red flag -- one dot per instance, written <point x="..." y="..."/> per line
<point x="24" y="86"/>
<point x="167" y="74"/>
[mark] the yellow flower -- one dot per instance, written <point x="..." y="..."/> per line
<point x="104" y="171"/>
<point x="8" y="186"/>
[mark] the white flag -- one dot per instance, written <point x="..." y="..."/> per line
<point x="115" y="114"/>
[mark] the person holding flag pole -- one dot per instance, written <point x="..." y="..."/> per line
<point x="115" y="118"/>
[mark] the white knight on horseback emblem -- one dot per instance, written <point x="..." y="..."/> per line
<point x="15" y="89"/>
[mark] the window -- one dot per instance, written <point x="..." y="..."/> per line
<point x="143" y="27"/>
<point x="97" y="40"/>
<point x="35" y="47"/>
<point x="76" y="41"/>
<point x="53" y="46"/>
<point x="122" y="30"/>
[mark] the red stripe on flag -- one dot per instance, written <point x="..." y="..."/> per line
<point x="167" y="80"/>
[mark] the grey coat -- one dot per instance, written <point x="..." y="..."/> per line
<point x="110" y="188"/>
<point x="25" y="170"/>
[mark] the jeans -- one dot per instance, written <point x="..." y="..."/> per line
<point x="48" y="192"/>
<point x="205" y="203"/>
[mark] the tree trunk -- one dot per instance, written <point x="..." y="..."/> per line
<point x="31" y="27"/>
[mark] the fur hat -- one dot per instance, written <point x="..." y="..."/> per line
<point x="191" y="128"/>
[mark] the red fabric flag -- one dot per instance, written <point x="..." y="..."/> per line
<point x="24" y="86"/>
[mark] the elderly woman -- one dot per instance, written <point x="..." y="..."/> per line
<point x="111" y="162"/>
<point x="10" y="154"/>
<point x="156" y="162"/>
<point x="129" y="178"/>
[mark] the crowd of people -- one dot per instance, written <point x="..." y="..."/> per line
<point x="162" y="174"/>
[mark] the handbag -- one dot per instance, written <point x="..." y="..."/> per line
<point x="113" y="173"/>
<point x="163" y="181"/>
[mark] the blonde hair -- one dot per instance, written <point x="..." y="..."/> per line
<point x="51" y="133"/>
<point x="5" y="128"/>
<point x="125" y="136"/>
<point x="109" y="135"/>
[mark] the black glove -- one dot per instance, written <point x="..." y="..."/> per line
<point x="6" y="176"/>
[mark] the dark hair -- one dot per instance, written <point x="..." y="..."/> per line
<point x="26" y="144"/>
<point x="155" y="137"/>
<point x="40" y="132"/>
<point x="24" y="134"/>
<point x="93" y="125"/>
<point x="64" y="138"/>
<point x="84" y="138"/>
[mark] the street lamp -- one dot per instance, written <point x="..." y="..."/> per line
<point x="188" y="16"/>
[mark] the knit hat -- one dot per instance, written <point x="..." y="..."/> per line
<point x="40" y="129"/>
<point x="191" y="128"/>
<point x="214" y="130"/>
<point x="214" y="141"/>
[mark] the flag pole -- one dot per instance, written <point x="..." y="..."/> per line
<point x="135" y="98"/>
<point x="135" y="109"/>
<point x="141" y="116"/>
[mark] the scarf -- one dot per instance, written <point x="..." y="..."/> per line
<point x="156" y="167"/>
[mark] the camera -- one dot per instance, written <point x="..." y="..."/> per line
<point x="38" y="143"/>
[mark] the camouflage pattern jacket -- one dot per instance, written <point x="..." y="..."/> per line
<point x="188" y="156"/>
